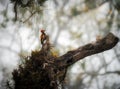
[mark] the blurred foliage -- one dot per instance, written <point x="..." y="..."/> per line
<point x="90" y="4"/>
<point x="74" y="11"/>
<point x="28" y="3"/>
<point x="23" y="6"/>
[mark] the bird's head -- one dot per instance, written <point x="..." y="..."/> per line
<point x="42" y="30"/>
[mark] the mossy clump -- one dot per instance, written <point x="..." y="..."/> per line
<point x="36" y="72"/>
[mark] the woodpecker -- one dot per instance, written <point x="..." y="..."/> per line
<point x="43" y="36"/>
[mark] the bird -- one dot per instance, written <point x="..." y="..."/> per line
<point x="46" y="46"/>
<point x="43" y="36"/>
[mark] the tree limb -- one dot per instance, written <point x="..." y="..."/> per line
<point x="49" y="70"/>
<point x="100" y="45"/>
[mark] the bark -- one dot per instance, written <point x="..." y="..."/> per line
<point x="99" y="46"/>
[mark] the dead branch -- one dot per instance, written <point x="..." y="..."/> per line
<point x="42" y="70"/>
<point x="100" y="45"/>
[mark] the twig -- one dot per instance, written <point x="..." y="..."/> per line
<point x="30" y="16"/>
<point x="15" y="9"/>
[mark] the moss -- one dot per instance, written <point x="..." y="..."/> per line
<point x="36" y="72"/>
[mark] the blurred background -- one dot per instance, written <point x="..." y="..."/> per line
<point x="70" y="24"/>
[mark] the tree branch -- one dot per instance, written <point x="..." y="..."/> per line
<point x="50" y="71"/>
<point x="100" y="45"/>
<point x="111" y="72"/>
